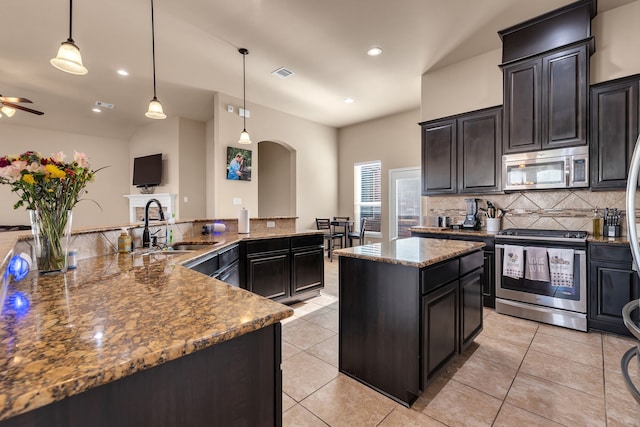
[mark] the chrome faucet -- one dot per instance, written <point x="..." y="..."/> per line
<point x="146" y="238"/>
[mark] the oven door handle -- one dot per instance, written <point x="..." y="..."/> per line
<point x="580" y="252"/>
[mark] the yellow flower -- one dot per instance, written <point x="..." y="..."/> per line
<point x="55" y="172"/>
<point x="28" y="178"/>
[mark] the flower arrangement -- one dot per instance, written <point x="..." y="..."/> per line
<point x="49" y="188"/>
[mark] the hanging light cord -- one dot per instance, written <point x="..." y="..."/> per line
<point x="244" y="88"/>
<point x="70" y="39"/>
<point x="153" y="51"/>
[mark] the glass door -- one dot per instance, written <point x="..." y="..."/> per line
<point x="405" y="201"/>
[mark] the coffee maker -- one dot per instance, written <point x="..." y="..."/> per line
<point x="470" y="219"/>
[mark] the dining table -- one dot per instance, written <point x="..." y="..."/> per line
<point x="342" y="226"/>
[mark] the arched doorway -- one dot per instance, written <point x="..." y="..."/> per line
<point x="277" y="179"/>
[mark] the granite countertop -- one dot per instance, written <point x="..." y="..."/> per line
<point x="412" y="252"/>
<point x="443" y="230"/>
<point x="621" y="240"/>
<point x="116" y="315"/>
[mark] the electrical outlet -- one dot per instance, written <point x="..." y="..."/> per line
<point x="271" y="224"/>
<point x="229" y="108"/>
<point x="186" y="199"/>
<point x="237" y="201"/>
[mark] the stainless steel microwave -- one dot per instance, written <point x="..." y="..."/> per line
<point x="557" y="168"/>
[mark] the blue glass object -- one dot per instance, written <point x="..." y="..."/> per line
<point x="19" y="266"/>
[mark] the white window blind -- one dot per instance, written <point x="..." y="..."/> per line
<point x="368" y="194"/>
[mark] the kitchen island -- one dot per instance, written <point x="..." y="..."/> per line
<point x="407" y="308"/>
<point x="138" y="340"/>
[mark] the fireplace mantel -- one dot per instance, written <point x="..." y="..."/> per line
<point x="137" y="201"/>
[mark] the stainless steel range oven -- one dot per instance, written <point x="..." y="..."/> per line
<point x="544" y="276"/>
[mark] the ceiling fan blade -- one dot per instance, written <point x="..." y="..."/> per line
<point x="20" y="107"/>
<point x="14" y="99"/>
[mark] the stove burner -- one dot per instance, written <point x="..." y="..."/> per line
<point x="528" y="232"/>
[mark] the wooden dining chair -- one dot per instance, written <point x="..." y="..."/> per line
<point x="345" y="227"/>
<point x="358" y="235"/>
<point x="330" y="236"/>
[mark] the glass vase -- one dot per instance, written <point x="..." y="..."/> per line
<point x="51" y="231"/>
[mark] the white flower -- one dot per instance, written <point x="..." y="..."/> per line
<point x="81" y="159"/>
<point x="58" y="157"/>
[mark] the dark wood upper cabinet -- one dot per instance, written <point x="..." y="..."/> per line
<point x="461" y="154"/>
<point x="439" y="157"/>
<point x="614" y="129"/>
<point x="522" y="83"/>
<point x="545" y="63"/>
<point x="479" y="145"/>
<point x="565" y="91"/>
<point x="546" y="100"/>
<point x="560" y="27"/>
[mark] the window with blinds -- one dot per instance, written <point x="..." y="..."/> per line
<point x="368" y="194"/>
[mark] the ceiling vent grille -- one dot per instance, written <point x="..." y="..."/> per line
<point x="282" y="73"/>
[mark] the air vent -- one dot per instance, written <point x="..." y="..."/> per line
<point x="104" y="105"/>
<point x="283" y="73"/>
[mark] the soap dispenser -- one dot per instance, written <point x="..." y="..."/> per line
<point x="124" y="241"/>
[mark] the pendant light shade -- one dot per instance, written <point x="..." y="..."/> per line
<point x="244" y="135"/>
<point x="68" y="58"/>
<point x="8" y="111"/>
<point x="155" y="108"/>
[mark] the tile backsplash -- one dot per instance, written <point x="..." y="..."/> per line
<point x="555" y="210"/>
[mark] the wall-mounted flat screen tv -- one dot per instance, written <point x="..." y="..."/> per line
<point x="147" y="170"/>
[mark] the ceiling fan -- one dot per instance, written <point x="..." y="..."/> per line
<point x="8" y="106"/>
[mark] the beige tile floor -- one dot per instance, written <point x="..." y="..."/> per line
<point x="517" y="373"/>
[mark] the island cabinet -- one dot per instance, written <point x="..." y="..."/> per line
<point x="612" y="284"/>
<point x="462" y="153"/>
<point x="614" y="129"/>
<point x="210" y="387"/>
<point x="401" y="324"/>
<point x="285" y="269"/>
<point x="489" y="276"/>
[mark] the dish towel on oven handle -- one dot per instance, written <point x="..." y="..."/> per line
<point x="561" y="267"/>
<point x="513" y="262"/>
<point x="537" y="264"/>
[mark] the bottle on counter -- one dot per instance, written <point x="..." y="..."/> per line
<point x="172" y="222"/>
<point x="597" y="223"/>
<point x="124" y="242"/>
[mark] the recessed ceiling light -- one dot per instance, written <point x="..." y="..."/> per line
<point x="349" y="100"/>
<point x="123" y="72"/>
<point x="374" y="51"/>
<point x="96" y="110"/>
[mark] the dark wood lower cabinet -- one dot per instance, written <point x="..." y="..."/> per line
<point x="286" y="269"/>
<point x="401" y="325"/>
<point x="235" y="383"/>
<point x="612" y="284"/>
<point x="489" y="276"/>
<point x="268" y="274"/>
<point x="441" y="342"/>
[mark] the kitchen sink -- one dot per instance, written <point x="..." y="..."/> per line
<point x="192" y="246"/>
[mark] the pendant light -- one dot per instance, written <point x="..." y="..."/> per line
<point x="8" y="111"/>
<point x="68" y="58"/>
<point x="244" y="135"/>
<point x="155" y="108"/>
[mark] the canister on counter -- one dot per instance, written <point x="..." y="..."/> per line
<point x="72" y="258"/>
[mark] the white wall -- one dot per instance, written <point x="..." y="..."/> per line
<point x="316" y="149"/>
<point x="159" y="136"/>
<point x="107" y="189"/>
<point x="395" y="140"/>
<point x="275" y="176"/>
<point x="191" y="166"/>
<point x="617" y="34"/>
<point x="465" y="86"/>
